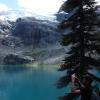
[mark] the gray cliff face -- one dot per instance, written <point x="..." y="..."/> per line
<point x="33" y="31"/>
<point x="6" y="37"/>
<point x="29" y="37"/>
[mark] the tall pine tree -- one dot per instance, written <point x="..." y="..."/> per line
<point x="83" y="39"/>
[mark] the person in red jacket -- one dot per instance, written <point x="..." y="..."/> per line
<point x="85" y="87"/>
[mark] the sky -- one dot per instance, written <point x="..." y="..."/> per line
<point x="41" y="7"/>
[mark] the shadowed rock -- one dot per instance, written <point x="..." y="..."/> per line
<point x="12" y="59"/>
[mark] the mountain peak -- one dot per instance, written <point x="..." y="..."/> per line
<point x="12" y="15"/>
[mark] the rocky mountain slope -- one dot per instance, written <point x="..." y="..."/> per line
<point x="28" y="36"/>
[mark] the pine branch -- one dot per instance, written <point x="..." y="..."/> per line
<point x="92" y="61"/>
<point x="63" y="81"/>
<point x="94" y="77"/>
<point x="70" y="96"/>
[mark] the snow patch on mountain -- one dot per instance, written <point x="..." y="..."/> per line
<point x="12" y="15"/>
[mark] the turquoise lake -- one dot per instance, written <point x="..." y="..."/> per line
<point x="37" y="83"/>
<point x="34" y="83"/>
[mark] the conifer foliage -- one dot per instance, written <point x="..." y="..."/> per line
<point x="84" y="41"/>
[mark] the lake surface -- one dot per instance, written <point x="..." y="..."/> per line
<point x="34" y="83"/>
<point x="37" y="83"/>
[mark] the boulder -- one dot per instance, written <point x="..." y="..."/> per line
<point x="13" y="59"/>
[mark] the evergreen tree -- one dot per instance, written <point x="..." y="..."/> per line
<point x="83" y="40"/>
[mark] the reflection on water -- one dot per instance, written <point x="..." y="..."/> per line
<point x="32" y="84"/>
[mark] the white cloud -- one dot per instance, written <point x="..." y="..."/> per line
<point x="4" y="7"/>
<point x="98" y="2"/>
<point x="42" y="7"/>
